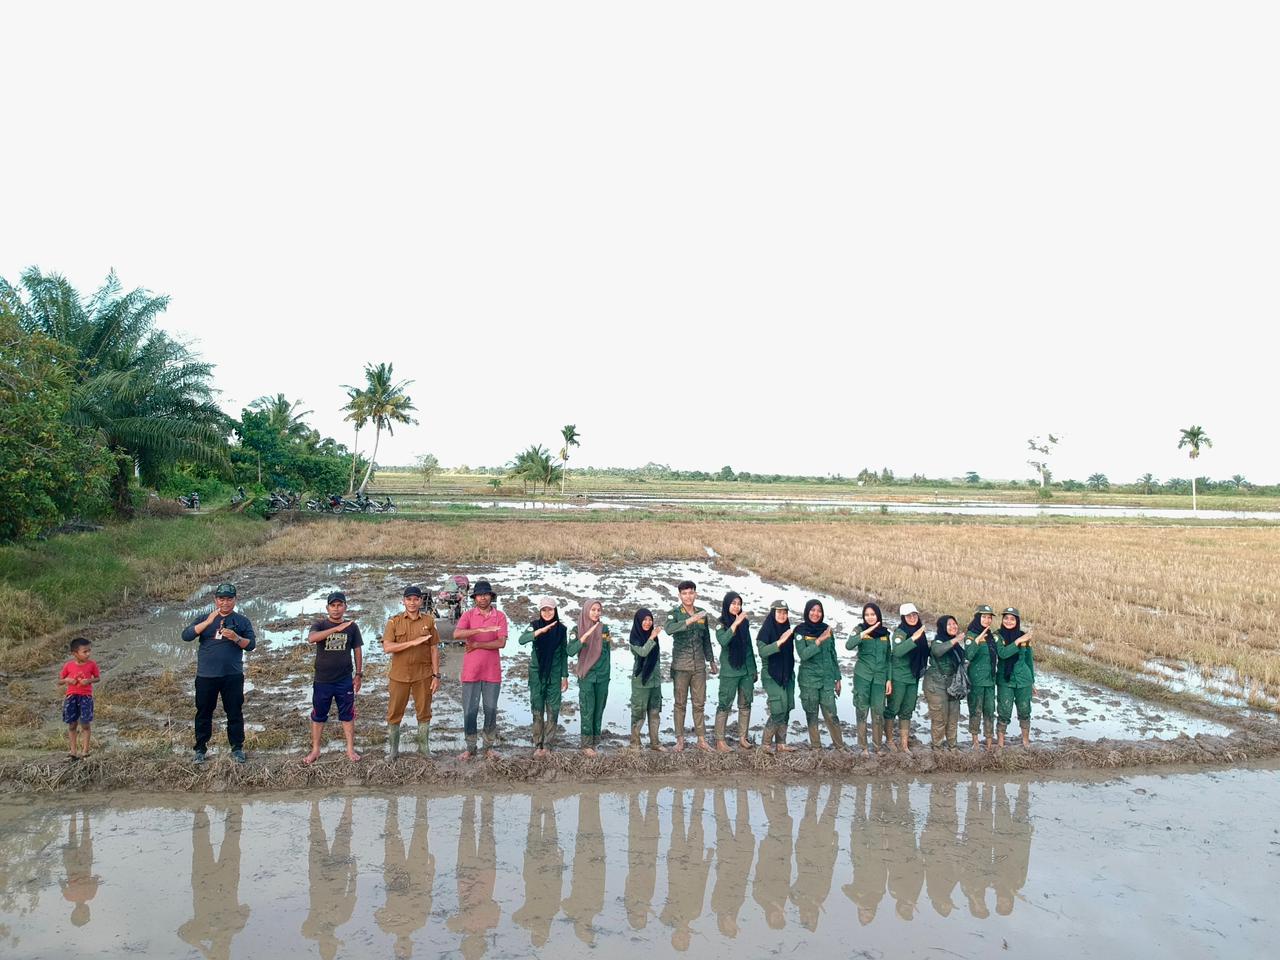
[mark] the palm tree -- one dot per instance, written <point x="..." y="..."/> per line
<point x="383" y="402"/>
<point x="147" y="396"/>
<point x="1099" y="481"/>
<point x="570" y="434"/>
<point x="534" y="466"/>
<point x="1147" y="482"/>
<point x="1195" y="438"/>
<point x="283" y="416"/>
<point x="355" y="410"/>
<point x="1239" y="482"/>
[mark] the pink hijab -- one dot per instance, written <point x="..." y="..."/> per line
<point x="590" y="653"/>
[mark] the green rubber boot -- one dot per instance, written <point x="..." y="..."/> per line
<point x="424" y="738"/>
<point x="393" y="741"/>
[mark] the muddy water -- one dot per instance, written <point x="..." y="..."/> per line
<point x="1135" y="866"/>
<point x="282" y="601"/>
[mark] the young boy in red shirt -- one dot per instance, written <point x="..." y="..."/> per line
<point x="79" y="674"/>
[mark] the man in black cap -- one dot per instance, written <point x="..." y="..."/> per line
<point x="414" y="644"/>
<point x="224" y="636"/>
<point x="484" y="628"/>
<point x="337" y="680"/>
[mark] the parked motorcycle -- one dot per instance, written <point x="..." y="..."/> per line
<point x="239" y="496"/>
<point x="191" y="501"/>
<point x="339" y="504"/>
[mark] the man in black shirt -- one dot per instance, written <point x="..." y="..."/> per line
<point x="337" y="641"/>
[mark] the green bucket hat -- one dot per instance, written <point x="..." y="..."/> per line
<point x="225" y="590"/>
<point x="984" y="608"/>
<point x="1013" y="610"/>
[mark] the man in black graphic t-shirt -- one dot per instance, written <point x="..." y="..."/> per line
<point x="339" y="669"/>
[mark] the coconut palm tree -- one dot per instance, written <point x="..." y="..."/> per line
<point x="1239" y="482"/>
<point x="355" y="410"/>
<point x="384" y="403"/>
<point x="1099" y="482"/>
<point x="533" y="465"/>
<point x="283" y="416"/>
<point x="1195" y="438"/>
<point x="148" y="397"/>
<point x="1147" y="482"/>
<point x="570" y="434"/>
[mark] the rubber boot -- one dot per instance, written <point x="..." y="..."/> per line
<point x="904" y="728"/>
<point x="1025" y="726"/>
<point x="877" y="733"/>
<point x="1000" y="729"/>
<point x="655" y="720"/>
<point x="635" y="733"/>
<point x="393" y="741"/>
<point x="424" y="739"/>
<point x="744" y="728"/>
<point x="722" y="719"/>
<point x="815" y="738"/>
<point x="837" y="735"/>
<point x="551" y="729"/>
<point x="861" y="728"/>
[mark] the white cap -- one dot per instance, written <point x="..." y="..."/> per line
<point x="544" y="602"/>
<point x="907" y="608"/>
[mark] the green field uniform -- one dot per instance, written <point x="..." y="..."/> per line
<point x="593" y="689"/>
<point x="782" y="699"/>
<point x="735" y="683"/>
<point x="646" y="697"/>
<point x="544" y="692"/>
<point x="817" y="677"/>
<point x="906" y="688"/>
<point x="944" y="709"/>
<point x="982" y="691"/>
<point x="1017" y="689"/>
<point x="690" y="653"/>
<point x="870" y="674"/>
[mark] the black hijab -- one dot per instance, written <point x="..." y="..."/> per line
<point x="975" y="627"/>
<point x="955" y="653"/>
<point x="918" y="658"/>
<point x="1007" y="637"/>
<point x="544" y="647"/>
<point x="881" y="630"/>
<point x="781" y="665"/>
<point x="807" y="629"/>
<point x="639" y="637"/>
<point x="738" y="646"/>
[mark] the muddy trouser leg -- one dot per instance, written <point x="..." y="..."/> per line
<point x="746" y="691"/>
<point x="828" y="704"/>
<point x="981" y="710"/>
<point x="587" y="711"/>
<point x="938" y="701"/>
<point x="470" y="709"/>
<point x="538" y="707"/>
<point x="953" y="721"/>
<point x="1022" y="699"/>
<point x="988" y="704"/>
<point x="597" y="713"/>
<point x="489" y="698"/>
<point x="779" y="715"/>
<point x="551" y="727"/>
<point x="639" y="710"/>
<point x="698" y="690"/>
<point x="1004" y="706"/>
<point x="680" y="681"/>
<point x="655" y="716"/>
<point x="809" y="699"/>
<point x="725" y="690"/>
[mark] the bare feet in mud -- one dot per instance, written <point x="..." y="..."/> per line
<point x="866" y="751"/>
<point x="464" y="756"/>
<point x="311" y="757"/>
<point x="589" y="752"/>
<point x="491" y="754"/>
<point x="703" y="745"/>
<point x="786" y="748"/>
<point x="679" y="747"/>
<point x="658" y="748"/>
<point x="722" y="747"/>
<point x="353" y="756"/>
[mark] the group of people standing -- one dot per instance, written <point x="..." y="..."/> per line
<point x="992" y="670"/>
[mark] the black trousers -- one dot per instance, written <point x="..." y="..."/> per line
<point x="231" y="689"/>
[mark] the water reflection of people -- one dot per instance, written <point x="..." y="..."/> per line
<point x="1011" y="846"/>
<point x="81" y="883"/>
<point x="218" y="914"/>
<point x="941" y="848"/>
<point x="408" y="876"/>
<point x="869" y="850"/>
<point x="906" y="867"/>
<point x="586" y="887"/>
<point x="478" y="912"/>
<point x="543" y="871"/>
<point x="642" y="858"/>
<point x="816" y="849"/>
<point x="688" y="866"/>
<point x="978" y="835"/>
<point x="772" y="885"/>
<point x="735" y="851"/>
<point x="331" y="881"/>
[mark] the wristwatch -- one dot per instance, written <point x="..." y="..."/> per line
<point x="435" y="676"/>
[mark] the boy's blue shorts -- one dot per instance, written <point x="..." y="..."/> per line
<point x="323" y="694"/>
<point x="77" y="708"/>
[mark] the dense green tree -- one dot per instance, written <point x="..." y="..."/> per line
<point x="1098" y="481"/>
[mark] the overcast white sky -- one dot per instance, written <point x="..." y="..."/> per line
<point x="801" y="237"/>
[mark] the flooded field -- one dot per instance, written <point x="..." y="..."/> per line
<point x="1132" y="866"/>
<point x="283" y="601"/>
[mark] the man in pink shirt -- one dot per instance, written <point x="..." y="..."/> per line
<point x="484" y="628"/>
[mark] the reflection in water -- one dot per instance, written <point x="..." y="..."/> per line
<point x="408" y="877"/>
<point x="869" y="850"/>
<point x="586" y="886"/>
<point x="478" y="912"/>
<point x="735" y="852"/>
<point x="331" y="882"/>
<point x="975" y="848"/>
<point x="906" y="867"/>
<point x="81" y="883"/>
<point x="1011" y="852"/>
<point x="816" y="849"/>
<point x="773" y="871"/>
<point x="643" y="831"/>
<point x="217" y="913"/>
<point x="941" y="847"/>
<point x="543" y="871"/>
<point x="688" y="866"/>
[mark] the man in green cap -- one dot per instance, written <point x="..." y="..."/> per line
<point x="224" y="636"/>
<point x="980" y="653"/>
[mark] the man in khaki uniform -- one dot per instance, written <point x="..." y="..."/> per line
<point x="414" y="644"/>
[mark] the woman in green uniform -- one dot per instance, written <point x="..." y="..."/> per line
<point x="777" y="656"/>
<point x="819" y="680"/>
<point x="908" y="657"/>
<point x="1016" y="678"/>
<point x="590" y="644"/>
<point x="646" y="679"/>
<point x="737" y="670"/>
<point x="947" y="657"/>
<point x="548" y="673"/>
<point x="870" y="675"/>
<point x="981" y="657"/>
